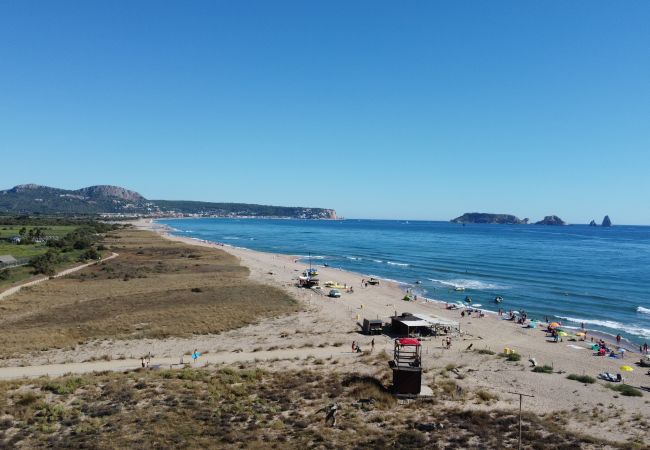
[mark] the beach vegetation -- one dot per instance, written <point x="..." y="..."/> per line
<point x="513" y="357"/>
<point x="484" y="396"/>
<point x="543" y="369"/>
<point x="625" y="389"/>
<point x="63" y="386"/>
<point x="484" y="351"/>
<point x="79" y="307"/>
<point x="582" y="378"/>
<point x="251" y="408"/>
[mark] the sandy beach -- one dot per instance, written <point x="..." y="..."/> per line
<point x="336" y="320"/>
<point x="326" y="328"/>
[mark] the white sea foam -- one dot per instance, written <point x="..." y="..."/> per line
<point x="467" y="284"/>
<point x="307" y="256"/>
<point x="354" y="258"/>
<point x="231" y="238"/>
<point x="378" y="260"/>
<point x="397" y="264"/>
<point x="643" y="310"/>
<point x="636" y="330"/>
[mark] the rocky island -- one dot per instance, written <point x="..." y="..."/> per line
<point x="502" y="219"/>
<point x="551" y="220"/>
<point x="606" y="222"/>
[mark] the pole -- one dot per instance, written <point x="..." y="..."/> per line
<point x="521" y="395"/>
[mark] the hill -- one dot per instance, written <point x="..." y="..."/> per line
<point x="115" y="200"/>
<point x="489" y="218"/>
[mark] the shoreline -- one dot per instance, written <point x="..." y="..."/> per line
<point x="610" y="338"/>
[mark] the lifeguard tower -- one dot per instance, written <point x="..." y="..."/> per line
<point x="407" y="367"/>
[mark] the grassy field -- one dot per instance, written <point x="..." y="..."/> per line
<point x="29" y="250"/>
<point x="49" y="230"/>
<point x="252" y="408"/>
<point x="155" y="288"/>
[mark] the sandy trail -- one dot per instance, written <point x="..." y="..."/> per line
<point x="53" y="370"/>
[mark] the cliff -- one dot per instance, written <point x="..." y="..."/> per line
<point x="489" y="218"/>
<point x="551" y="220"/>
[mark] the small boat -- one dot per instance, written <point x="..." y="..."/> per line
<point x="498" y="299"/>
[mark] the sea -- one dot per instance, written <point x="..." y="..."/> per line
<point x="576" y="274"/>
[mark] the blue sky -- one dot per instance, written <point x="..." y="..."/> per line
<point x="418" y="110"/>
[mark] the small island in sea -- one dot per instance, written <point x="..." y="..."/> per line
<point x="475" y="217"/>
<point x="551" y="220"/>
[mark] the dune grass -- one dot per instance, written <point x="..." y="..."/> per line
<point x="249" y="408"/>
<point x="625" y="389"/>
<point x="155" y="288"/>
<point x="581" y="378"/>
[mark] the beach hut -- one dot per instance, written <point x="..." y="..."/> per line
<point x="408" y="324"/>
<point x="372" y="326"/>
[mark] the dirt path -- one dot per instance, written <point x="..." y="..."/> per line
<point x="13" y="290"/>
<point x="53" y="370"/>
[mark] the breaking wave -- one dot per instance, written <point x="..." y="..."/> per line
<point x="467" y="284"/>
<point x="638" y="331"/>
<point x="643" y="310"/>
<point x="397" y="264"/>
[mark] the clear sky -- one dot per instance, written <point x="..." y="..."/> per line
<point x="415" y="110"/>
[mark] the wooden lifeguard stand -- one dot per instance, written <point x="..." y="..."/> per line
<point x="407" y="367"/>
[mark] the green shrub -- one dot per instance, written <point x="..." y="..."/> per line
<point x="625" y="389"/>
<point x="582" y="378"/>
<point x="513" y="357"/>
<point x="64" y="387"/>
<point x="543" y="369"/>
<point x="485" y="351"/>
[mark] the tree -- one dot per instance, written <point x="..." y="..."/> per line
<point x="46" y="263"/>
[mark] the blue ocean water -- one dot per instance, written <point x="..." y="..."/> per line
<point x="576" y="274"/>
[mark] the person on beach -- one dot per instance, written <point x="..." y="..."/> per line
<point x="448" y="342"/>
<point x="354" y="346"/>
<point x="372" y="345"/>
<point x="618" y="339"/>
<point x="645" y="347"/>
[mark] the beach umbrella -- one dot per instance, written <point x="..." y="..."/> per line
<point x="626" y="368"/>
<point x="553" y="325"/>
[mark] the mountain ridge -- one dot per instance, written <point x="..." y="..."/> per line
<point x="33" y="198"/>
